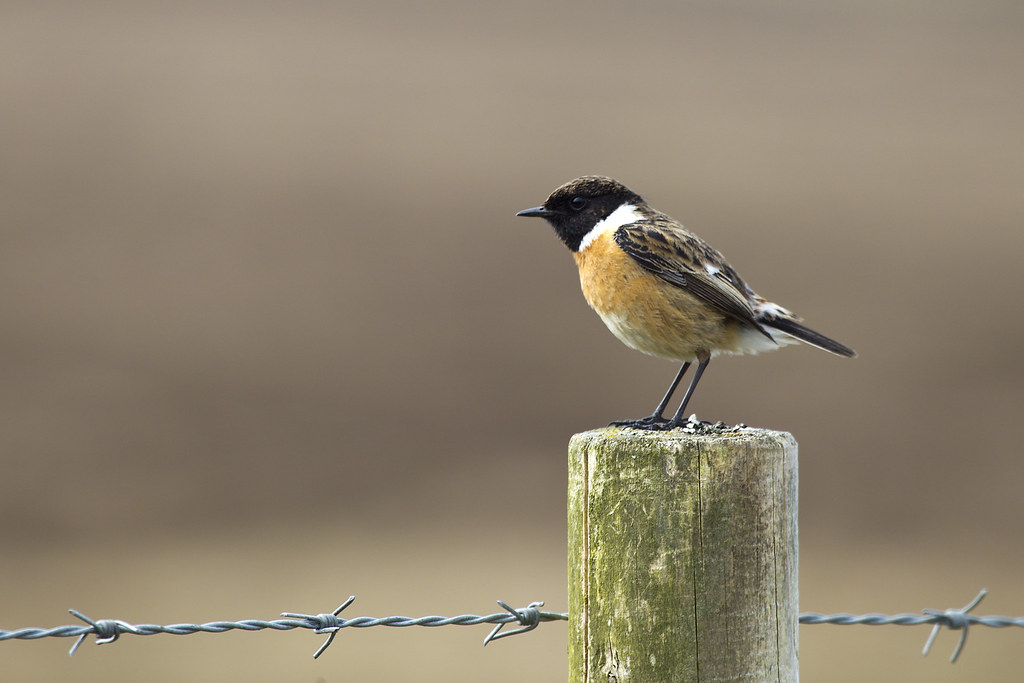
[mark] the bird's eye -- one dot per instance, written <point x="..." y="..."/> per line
<point x="578" y="203"/>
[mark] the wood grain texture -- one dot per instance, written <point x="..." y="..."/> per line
<point x="682" y="556"/>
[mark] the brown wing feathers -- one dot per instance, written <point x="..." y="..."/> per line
<point x="685" y="262"/>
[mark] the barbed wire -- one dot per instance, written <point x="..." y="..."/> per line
<point x="528" y="618"/>
<point x="955" y="619"/>
<point x="109" y="630"/>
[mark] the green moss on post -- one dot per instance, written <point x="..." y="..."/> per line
<point x="682" y="556"/>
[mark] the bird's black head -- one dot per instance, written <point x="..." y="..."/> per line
<point x="576" y="207"/>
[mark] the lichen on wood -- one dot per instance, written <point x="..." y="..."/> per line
<point x="682" y="556"/>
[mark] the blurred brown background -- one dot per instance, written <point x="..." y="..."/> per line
<point x="270" y="333"/>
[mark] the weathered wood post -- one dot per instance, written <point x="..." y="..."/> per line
<point x="682" y="556"/>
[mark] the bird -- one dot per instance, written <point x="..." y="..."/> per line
<point x="663" y="290"/>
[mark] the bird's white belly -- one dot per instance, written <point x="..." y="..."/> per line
<point x="637" y="335"/>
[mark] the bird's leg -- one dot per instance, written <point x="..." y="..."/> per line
<point x="656" y="418"/>
<point x="657" y="415"/>
<point x="677" y="419"/>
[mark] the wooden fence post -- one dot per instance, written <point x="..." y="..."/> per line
<point x="682" y="556"/>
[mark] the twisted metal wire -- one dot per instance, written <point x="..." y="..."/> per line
<point x="955" y="619"/>
<point x="528" y="618"/>
<point x="109" y="630"/>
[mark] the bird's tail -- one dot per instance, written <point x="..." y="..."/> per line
<point x="807" y="335"/>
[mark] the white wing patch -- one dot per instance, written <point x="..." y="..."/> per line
<point x="624" y="215"/>
<point x="768" y="308"/>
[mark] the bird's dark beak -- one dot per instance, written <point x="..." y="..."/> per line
<point x="538" y="212"/>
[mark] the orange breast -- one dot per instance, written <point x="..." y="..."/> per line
<point x="645" y="312"/>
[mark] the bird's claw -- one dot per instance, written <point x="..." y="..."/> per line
<point x="651" y="423"/>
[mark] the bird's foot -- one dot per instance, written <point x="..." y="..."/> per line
<point x="650" y="423"/>
<point x="690" y="425"/>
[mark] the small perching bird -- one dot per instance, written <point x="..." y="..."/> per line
<point x="661" y="289"/>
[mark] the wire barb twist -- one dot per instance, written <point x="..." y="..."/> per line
<point x="106" y="630"/>
<point x="528" y="617"/>
<point x="323" y="623"/>
<point x="952" y="619"/>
